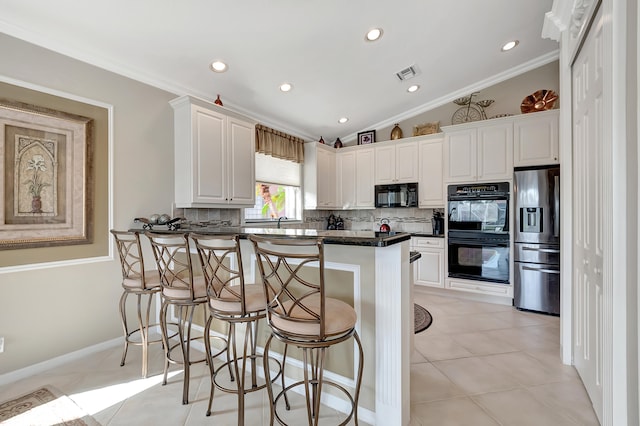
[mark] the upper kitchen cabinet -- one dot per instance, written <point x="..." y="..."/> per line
<point x="396" y="163"/>
<point x="355" y="178"/>
<point x="430" y="182"/>
<point x="319" y="176"/>
<point x="536" y="139"/>
<point x="479" y="152"/>
<point x="214" y="155"/>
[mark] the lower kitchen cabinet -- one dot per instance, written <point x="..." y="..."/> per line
<point x="481" y="287"/>
<point x="429" y="269"/>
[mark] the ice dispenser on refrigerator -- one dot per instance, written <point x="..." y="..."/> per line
<point x="537" y="239"/>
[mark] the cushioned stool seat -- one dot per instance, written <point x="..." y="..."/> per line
<point x="234" y="302"/>
<point x="141" y="283"/>
<point x="183" y="292"/>
<point x="299" y="313"/>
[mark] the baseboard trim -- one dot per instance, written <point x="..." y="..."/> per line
<point x="41" y="367"/>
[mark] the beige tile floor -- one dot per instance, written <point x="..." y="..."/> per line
<point x="478" y="364"/>
<point x="486" y="364"/>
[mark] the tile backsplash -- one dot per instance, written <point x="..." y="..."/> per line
<point x="400" y="219"/>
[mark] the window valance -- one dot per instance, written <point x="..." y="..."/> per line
<point x="279" y="144"/>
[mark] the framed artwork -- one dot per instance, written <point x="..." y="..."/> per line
<point x="366" y="137"/>
<point x="46" y="184"/>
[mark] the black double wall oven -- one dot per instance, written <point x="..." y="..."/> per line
<point x="478" y="222"/>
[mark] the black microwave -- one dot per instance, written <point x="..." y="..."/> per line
<point x="397" y="195"/>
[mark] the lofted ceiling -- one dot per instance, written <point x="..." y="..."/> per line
<point x="317" y="46"/>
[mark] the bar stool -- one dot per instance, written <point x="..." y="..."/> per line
<point x="184" y="292"/>
<point x="235" y="302"/>
<point x="141" y="283"/>
<point x="300" y="314"/>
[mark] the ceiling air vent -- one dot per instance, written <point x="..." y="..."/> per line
<point x="408" y="73"/>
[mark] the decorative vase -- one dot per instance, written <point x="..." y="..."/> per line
<point x="218" y="101"/>
<point x="36" y="205"/>
<point x="396" y="132"/>
<point x="338" y="143"/>
<point x="321" y="140"/>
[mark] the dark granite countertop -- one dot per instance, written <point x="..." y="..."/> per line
<point x="354" y="238"/>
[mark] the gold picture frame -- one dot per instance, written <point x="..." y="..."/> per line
<point x="426" y="128"/>
<point x="46" y="184"/>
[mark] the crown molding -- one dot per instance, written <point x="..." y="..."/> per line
<point x="477" y="86"/>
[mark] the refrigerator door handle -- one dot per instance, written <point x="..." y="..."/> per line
<point x="556" y="206"/>
<point x="541" y="250"/>
<point x="547" y="271"/>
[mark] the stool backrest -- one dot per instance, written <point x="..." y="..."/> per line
<point x="131" y="260"/>
<point x="221" y="263"/>
<point x="292" y="272"/>
<point x="173" y="258"/>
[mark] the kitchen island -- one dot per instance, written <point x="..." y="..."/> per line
<point x="369" y="270"/>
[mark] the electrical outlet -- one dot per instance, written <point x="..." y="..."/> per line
<point x="1" y="344"/>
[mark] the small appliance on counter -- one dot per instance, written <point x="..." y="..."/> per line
<point x="384" y="225"/>
<point x="437" y="223"/>
<point x="331" y="222"/>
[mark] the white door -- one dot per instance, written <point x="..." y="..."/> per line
<point x="209" y="157"/>
<point x="385" y="171"/>
<point x="535" y="139"/>
<point x="241" y="150"/>
<point x="407" y="162"/>
<point x="364" y="178"/>
<point x="346" y="184"/>
<point x="495" y="152"/>
<point x="461" y="156"/>
<point x="431" y="188"/>
<point x="589" y="211"/>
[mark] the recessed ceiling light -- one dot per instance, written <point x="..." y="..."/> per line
<point x="218" y="66"/>
<point x="510" y="45"/>
<point x="413" y="88"/>
<point x="343" y="120"/>
<point x="285" y="87"/>
<point x="373" y="34"/>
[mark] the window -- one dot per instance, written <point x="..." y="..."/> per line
<point x="277" y="192"/>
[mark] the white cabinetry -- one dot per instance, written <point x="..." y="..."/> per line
<point x="429" y="269"/>
<point x="214" y="155"/>
<point x="479" y="153"/>
<point x="430" y="179"/>
<point x="319" y="176"/>
<point x="355" y="178"/>
<point x="481" y="287"/>
<point x="396" y="163"/>
<point x="365" y="162"/>
<point x="536" y="139"/>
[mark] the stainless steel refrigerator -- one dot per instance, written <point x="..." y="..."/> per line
<point x="537" y="239"/>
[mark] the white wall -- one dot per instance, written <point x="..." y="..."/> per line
<point x="508" y="96"/>
<point x="45" y="313"/>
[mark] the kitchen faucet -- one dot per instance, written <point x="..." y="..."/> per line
<point x="279" y="219"/>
